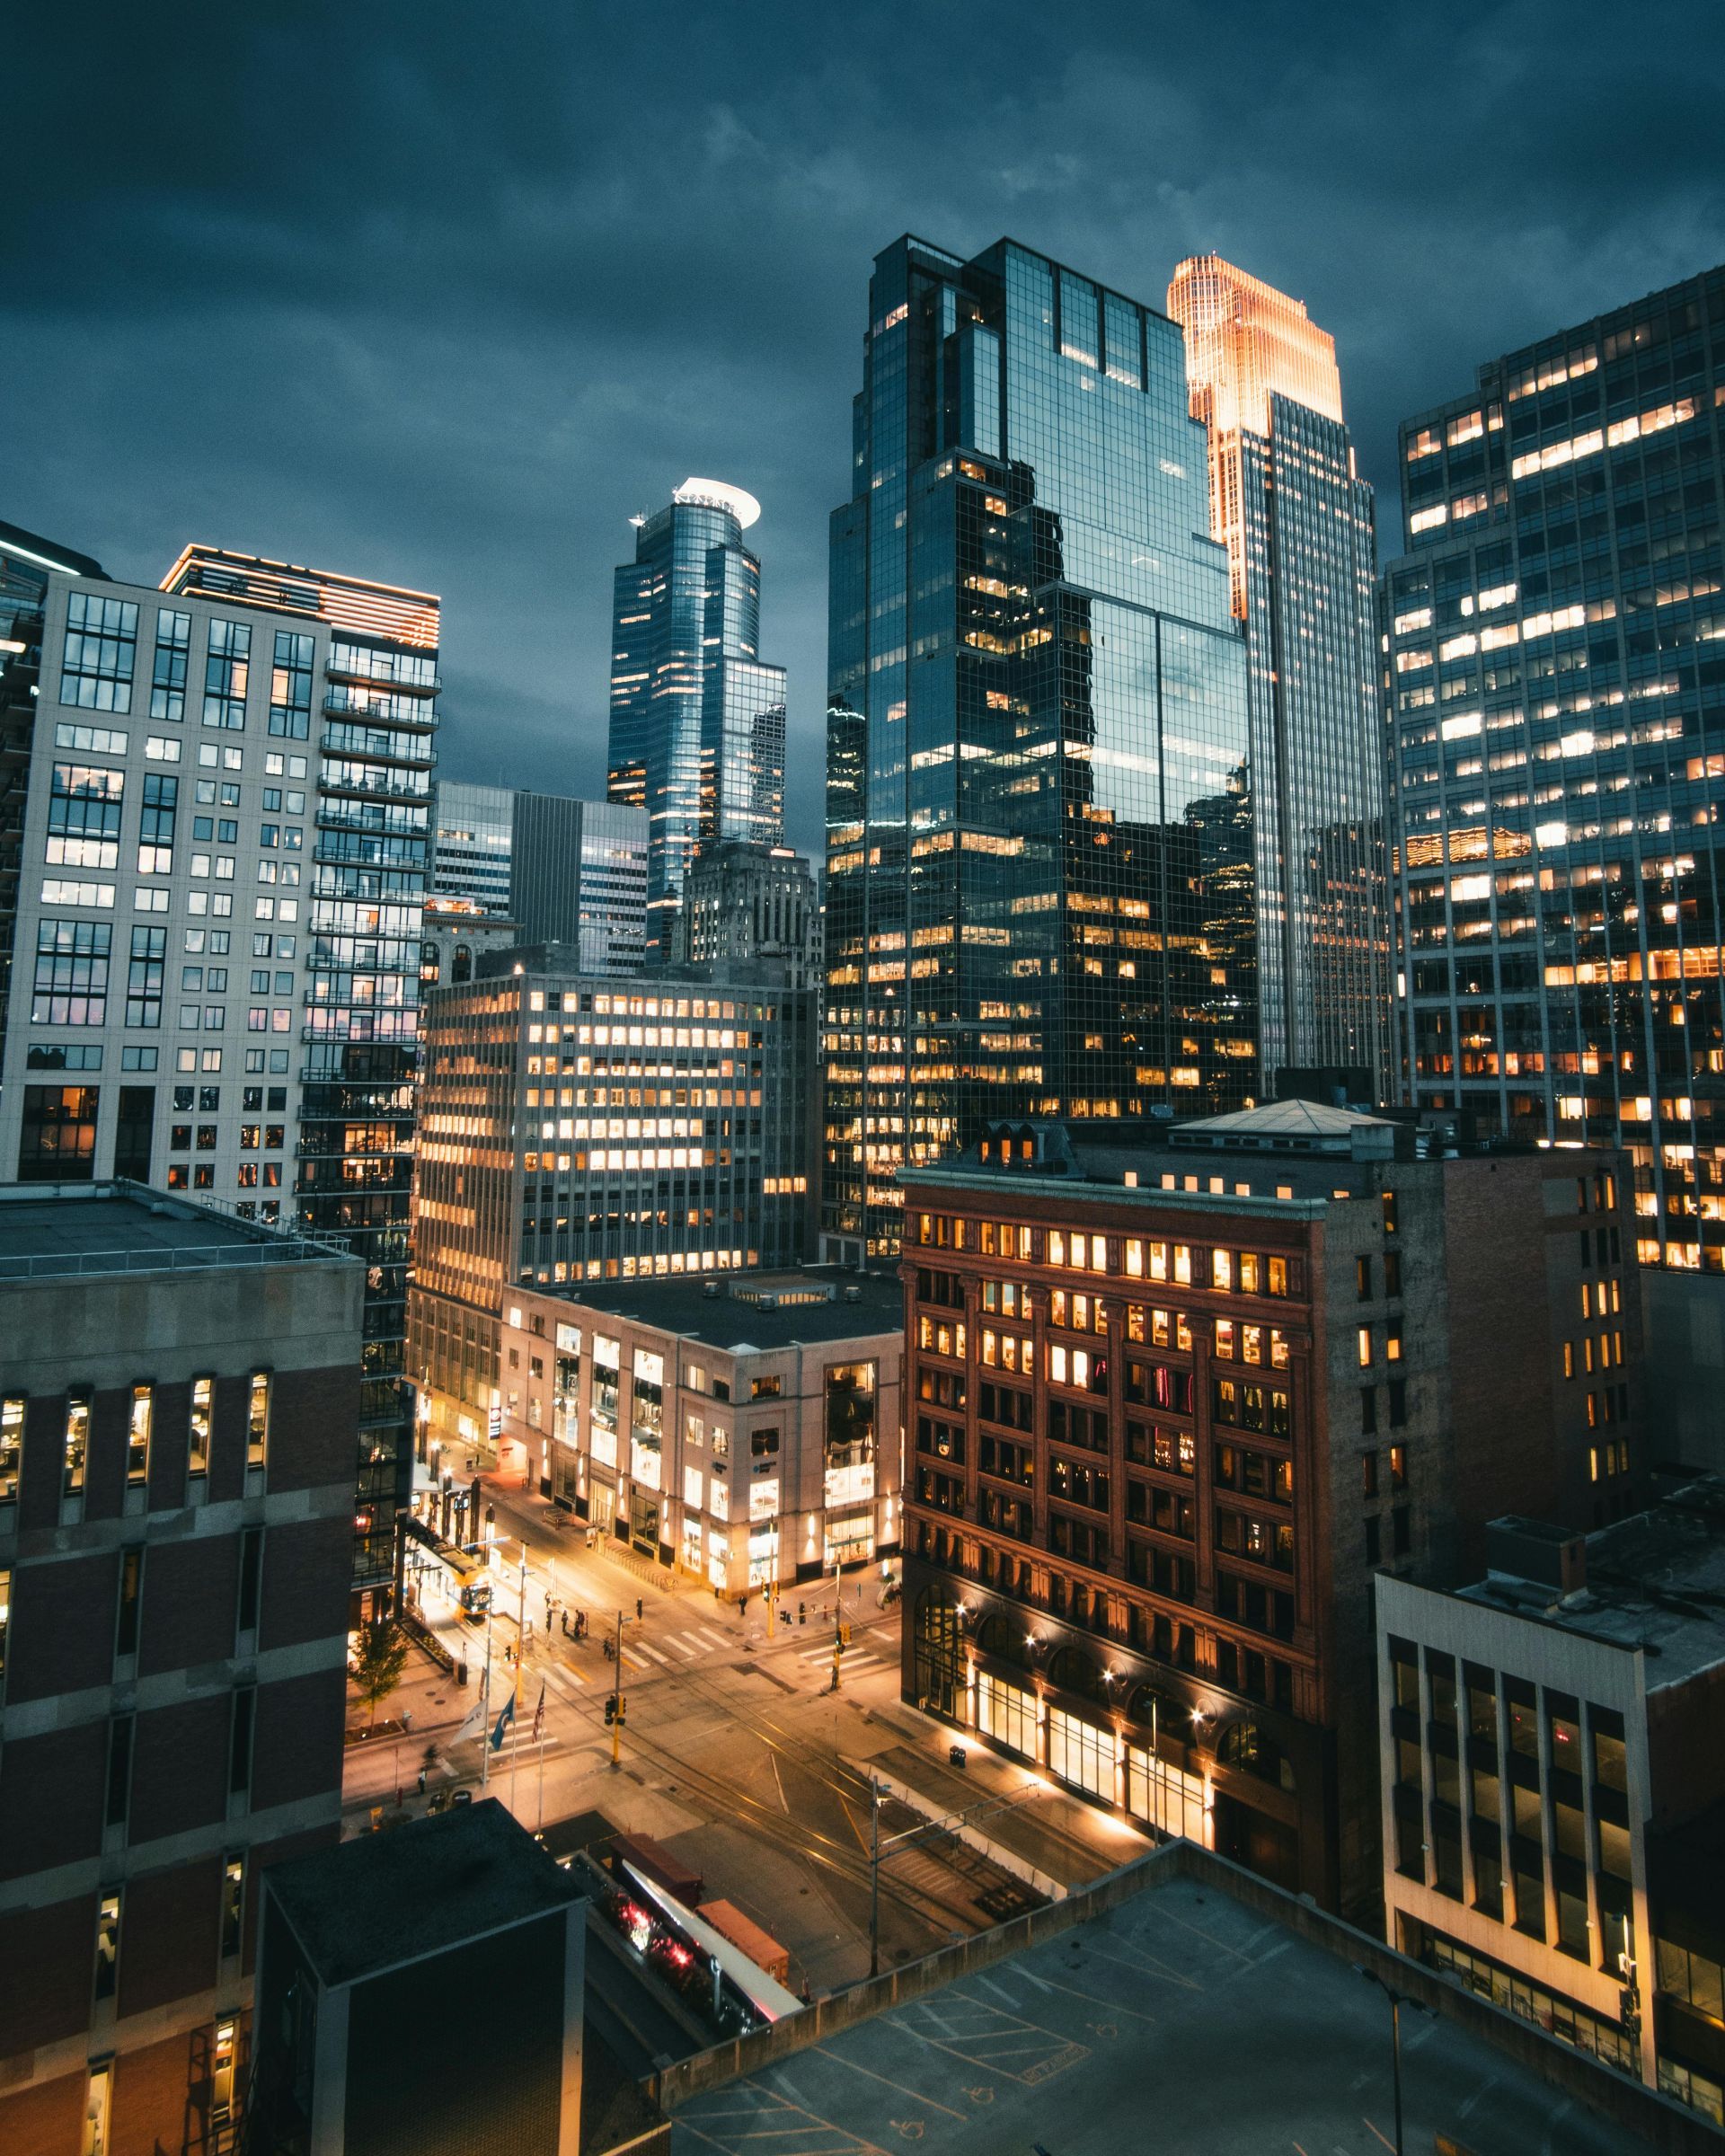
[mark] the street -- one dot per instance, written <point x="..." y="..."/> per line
<point x="734" y="1745"/>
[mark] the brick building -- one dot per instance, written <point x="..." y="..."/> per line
<point x="1173" y="1398"/>
<point x="179" y="1404"/>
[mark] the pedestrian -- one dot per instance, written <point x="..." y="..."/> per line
<point x="638" y="1609"/>
<point x="715" y="1595"/>
<point x="742" y="1607"/>
<point x="422" y="1781"/>
<point x="565" y="1617"/>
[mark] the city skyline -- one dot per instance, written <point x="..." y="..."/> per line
<point x="1386" y="193"/>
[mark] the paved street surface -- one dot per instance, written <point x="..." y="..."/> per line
<point x="736" y="1751"/>
<point x="1179" y="2022"/>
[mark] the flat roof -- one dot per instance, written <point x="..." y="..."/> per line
<point x="732" y="1322"/>
<point x="1654" y="1581"/>
<point x="47" y="1230"/>
<point x="1180" y="2020"/>
<point x="385" y="1899"/>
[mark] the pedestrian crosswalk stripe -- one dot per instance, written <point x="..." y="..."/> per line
<point x="713" y="1639"/>
<point x="642" y="1647"/>
<point x="680" y="1641"/>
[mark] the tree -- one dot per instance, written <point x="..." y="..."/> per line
<point x="379" y="1662"/>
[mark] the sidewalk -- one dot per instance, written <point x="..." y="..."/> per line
<point x="1027" y="1815"/>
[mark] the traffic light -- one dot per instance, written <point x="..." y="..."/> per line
<point x="844" y="1634"/>
<point x="610" y="1708"/>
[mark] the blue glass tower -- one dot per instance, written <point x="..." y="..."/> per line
<point x="697" y="720"/>
<point x="1040" y="798"/>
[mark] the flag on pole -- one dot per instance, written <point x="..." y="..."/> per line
<point x="503" y="1721"/>
<point x="539" y="1715"/>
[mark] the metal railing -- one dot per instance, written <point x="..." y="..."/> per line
<point x="265" y="1245"/>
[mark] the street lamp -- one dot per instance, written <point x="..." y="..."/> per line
<point x="1397" y="2000"/>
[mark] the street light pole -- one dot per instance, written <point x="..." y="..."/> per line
<point x="874" y="1874"/>
<point x="1397" y="2000"/>
<point x="485" y="1700"/>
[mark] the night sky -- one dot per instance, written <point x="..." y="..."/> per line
<point x="441" y="293"/>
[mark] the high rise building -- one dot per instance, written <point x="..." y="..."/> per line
<point x="745" y="905"/>
<point x="697" y="719"/>
<point x="1297" y="522"/>
<point x="225" y="853"/>
<point x="579" y="877"/>
<point x="1041" y="799"/>
<point x="471" y="832"/>
<point x="576" y="1127"/>
<point x="179" y="1401"/>
<point x="1558" y="726"/>
<point x="26" y="564"/>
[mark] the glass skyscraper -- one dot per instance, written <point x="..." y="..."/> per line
<point x="1042" y="864"/>
<point x="1558" y="715"/>
<point x="697" y="719"/>
<point x="1297" y="522"/>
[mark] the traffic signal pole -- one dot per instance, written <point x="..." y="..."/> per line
<point x="617" y="1720"/>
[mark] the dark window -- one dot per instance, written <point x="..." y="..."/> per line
<point x="1374" y="1547"/>
<point x="119" y="1771"/>
<point x="1398" y="1402"/>
<point x="131" y="1597"/>
<point x="239" y="1756"/>
<point x="1368" y="1411"/>
<point x="133" y="1131"/>
<point x="250" y="1565"/>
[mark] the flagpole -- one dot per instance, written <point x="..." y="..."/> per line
<point x="485" y="1701"/>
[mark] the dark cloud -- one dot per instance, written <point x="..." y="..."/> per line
<point x="443" y="292"/>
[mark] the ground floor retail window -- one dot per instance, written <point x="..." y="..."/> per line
<point x="1081" y="1754"/>
<point x="692" y="1542"/>
<point x="850" y="1540"/>
<point x="763" y="1554"/>
<point x="939" y="1654"/>
<point x="1560" y="2018"/>
<point x="1007" y="1713"/>
<point x="644" y="1522"/>
<point x="563" y="1474"/>
<point x="1170" y="1798"/>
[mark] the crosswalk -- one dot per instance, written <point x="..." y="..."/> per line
<point x="854" y="1657"/>
<point x="697" y="1643"/>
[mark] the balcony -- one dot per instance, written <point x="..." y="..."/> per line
<point x="355" y="740"/>
<point x="380" y="710"/>
<point x="337" y="672"/>
<point x="385" y="785"/>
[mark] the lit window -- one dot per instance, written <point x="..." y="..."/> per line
<point x="257" y="1420"/>
<point x="77" y="1440"/>
<point x="197" y="1447"/>
<point x="138" y="1443"/>
<point x="1365" y="1346"/>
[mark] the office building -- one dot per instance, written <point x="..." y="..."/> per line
<point x="747" y="1429"/>
<point x="178" y="1413"/>
<point x="1176" y="1401"/>
<point x="26" y="564"/>
<point x="471" y="832"/>
<point x="362" y="1949"/>
<point x="579" y="876"/>
<point x="576" y="1127"/>
<point x="224" y="858"/>
<point x="1042" y="799"/>
<point x="1553" y="1786"/>
<point x="747" y="905"/>
<point x="697" y="719"/>
<point x="1553" y="709"/>
<point x="1297" y="521"/>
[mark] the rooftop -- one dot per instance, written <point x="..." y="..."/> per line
<point x="1312" y="1126"/>
<point x="1654" y="1581"/>
<point x="756" y="1313"/>
<point x="1192" y="2014"/>
<point x="50" y="1230"/>
<point x="372" y="1903"/>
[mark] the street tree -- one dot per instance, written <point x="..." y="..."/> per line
<point x="379" y="1662"/>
